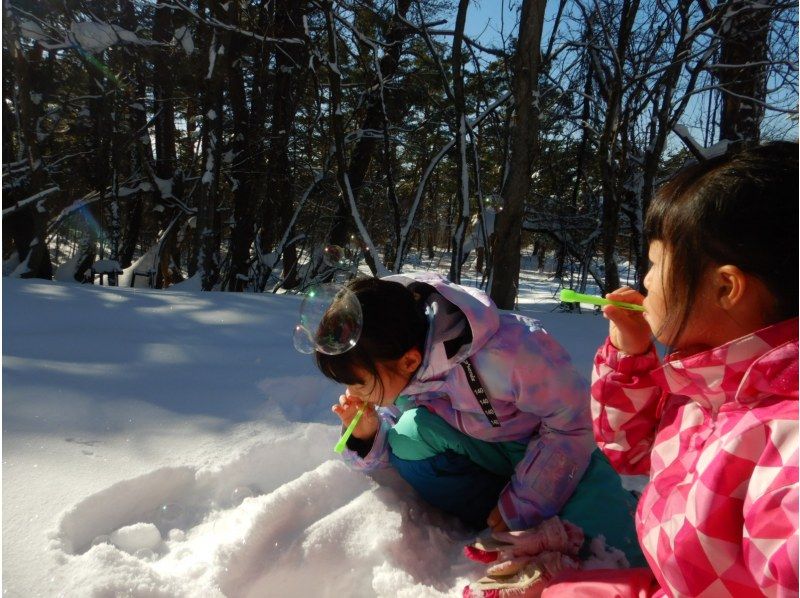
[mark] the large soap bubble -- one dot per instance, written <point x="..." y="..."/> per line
<point x="330" y="320"/>
<point x="333" y="256"/>
<point x="170" y="514"/>
<point x="239" y="494"/>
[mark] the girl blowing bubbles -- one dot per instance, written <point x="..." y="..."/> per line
<point x="715" y="426"/>
<point x="482" y="412"/>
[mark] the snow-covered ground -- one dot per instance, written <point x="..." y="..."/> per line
<point x="172" y="443"/>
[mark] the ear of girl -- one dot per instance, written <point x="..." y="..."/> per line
<point x="409" y="363"/>
<point x="743" y="301"/>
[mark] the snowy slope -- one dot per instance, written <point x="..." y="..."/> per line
<point x="174" y="444"/>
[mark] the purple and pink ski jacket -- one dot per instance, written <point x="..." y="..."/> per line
<point x="718" y="434"/>
<point x="535" y="391"/>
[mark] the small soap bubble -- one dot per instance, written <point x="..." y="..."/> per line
<point x="239" y="494"/>
<point x="170" y="513"/>
<point x="101" y="539"/>
<point x="333" y="256"/>
<point x="176" y="535"/>
<point x="303" y="340"/>
<point x="145" y="554"/>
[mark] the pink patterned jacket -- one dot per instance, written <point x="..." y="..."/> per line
<point x="718" y="434"/>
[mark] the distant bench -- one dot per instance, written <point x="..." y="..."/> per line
<point x="108" y="268"/>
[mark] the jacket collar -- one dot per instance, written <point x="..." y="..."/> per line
<point x="451" y="309"/>
<point x="745" y="370"/>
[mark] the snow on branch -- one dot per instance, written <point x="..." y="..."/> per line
<point x="697" y="150"/>
<point x="404" y="235"/>
<point x="96" y="36"/>
<point x="24" y="203"/>
<point x="216" y="23"/>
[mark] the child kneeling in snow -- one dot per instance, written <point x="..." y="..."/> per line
<point x="481" y="411"/>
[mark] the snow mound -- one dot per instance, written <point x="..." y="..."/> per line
<point x="136" y="537"/>
<point x="129" y="412"/>
<point x="239" y="529"/>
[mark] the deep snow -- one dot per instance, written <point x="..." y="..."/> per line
<point x="172" y="443"/>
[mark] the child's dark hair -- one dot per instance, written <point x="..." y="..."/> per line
<point x="740" y="210"/>
<point x="394" y="322"/>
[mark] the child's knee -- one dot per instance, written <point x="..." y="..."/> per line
<point x="600" y="505"/>
<point x="408" y="439"/>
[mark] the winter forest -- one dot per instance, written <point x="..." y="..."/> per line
<point x="267" y="145"/>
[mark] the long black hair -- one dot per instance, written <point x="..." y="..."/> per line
<point x="739" y="209"/>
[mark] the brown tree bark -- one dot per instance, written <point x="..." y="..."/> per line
<point x="462" y="174"/>
<point x="290" y="61"/>
<point x="27" y="227"/>
<point x="524" y="135"/>
<point x="743" y="71"/>
<point x="207" y="228"/>
<point x="163" y="96"/>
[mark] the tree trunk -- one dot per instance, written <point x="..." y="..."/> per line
<point x="524" y="135"/>
<point x="290" y="61"/>
<point x="366" y="147"/>
<point x="163" y="94"/>
<point x="607" y="153"/>
<point x="586" y="135"/>
<point x="27" y="227"/>
<point x="743" y="75"/>
<point x="462" y="171"/>
<point x="337" y="125"/>
<point x="206" y="260"/>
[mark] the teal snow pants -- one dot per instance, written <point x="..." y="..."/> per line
<point x="464" y="476"/>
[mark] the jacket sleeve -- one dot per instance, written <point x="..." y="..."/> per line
<point x="547" y="385"/>
<point x="366" y="456"/>
<point x="769" y="538"/>
<point x="624" y="404"/>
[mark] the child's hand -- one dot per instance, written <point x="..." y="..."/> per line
<point x="628" y="329"/>
<point x="495" y="521"/>
<point x="346" y="410"/>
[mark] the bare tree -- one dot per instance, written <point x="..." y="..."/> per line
<point x="27" y="215"/>
<point x="206" y="261"/>
<point x="292" y="126"/>
<point x="462" y="167"/>
<point x="744" y="27"/>
<point x="523" y="143"/>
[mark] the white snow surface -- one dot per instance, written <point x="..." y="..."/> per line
<point x="172" y="443"/>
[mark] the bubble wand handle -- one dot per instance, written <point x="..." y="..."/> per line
<point x="343" y="440"/>
<point x="570" y="296"/>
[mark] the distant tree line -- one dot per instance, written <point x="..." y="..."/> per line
<point x="257" y="145"/>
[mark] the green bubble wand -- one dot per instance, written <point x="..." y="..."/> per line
<point x="343" y="440"/>
<point x="570" y="296"/>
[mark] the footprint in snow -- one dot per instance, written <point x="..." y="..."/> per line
<point x="257" y="523"/>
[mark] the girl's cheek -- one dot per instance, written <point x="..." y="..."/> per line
<point x="654" y="321"/>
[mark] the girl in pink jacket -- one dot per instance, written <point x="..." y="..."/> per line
<point x="715" y="424"/>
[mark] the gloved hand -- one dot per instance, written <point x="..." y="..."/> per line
<point x="524" y="561"/>
<point x="511" y="550"/>
<point x="529" y="581"/>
